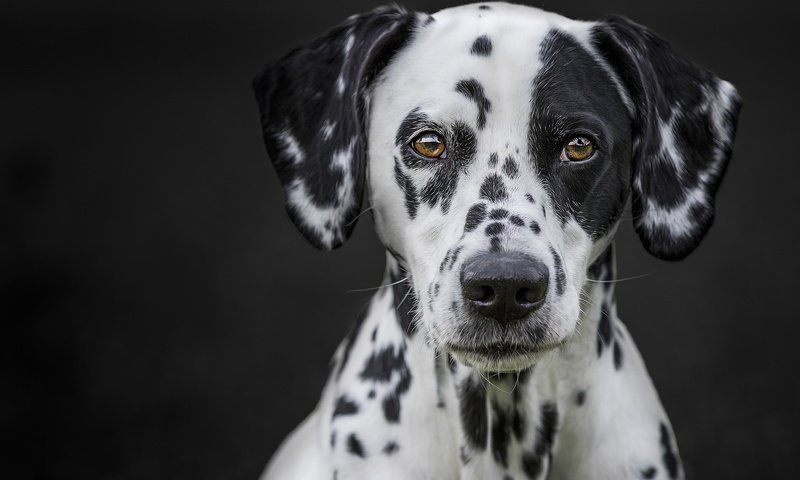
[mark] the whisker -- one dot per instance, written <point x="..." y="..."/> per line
<point x="620" y="279"/>
<point x="378" y="287"/>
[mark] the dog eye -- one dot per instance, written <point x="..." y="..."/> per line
<point x="429" y="144"/>
<point x="577" y="149"/>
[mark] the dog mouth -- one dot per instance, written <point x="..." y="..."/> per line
<point x="501" y="356"/>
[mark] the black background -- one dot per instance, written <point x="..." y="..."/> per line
<point x="163" y="319"/>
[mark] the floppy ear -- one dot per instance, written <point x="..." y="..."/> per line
<point x="313" y="104"/>
<point x="684" y="124"/>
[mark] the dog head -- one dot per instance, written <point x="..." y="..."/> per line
<point x="498" y="146"/>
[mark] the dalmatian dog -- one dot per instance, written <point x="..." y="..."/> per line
<point x="497" y="146"/>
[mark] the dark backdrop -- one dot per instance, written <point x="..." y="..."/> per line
<point x="163" y="319"/>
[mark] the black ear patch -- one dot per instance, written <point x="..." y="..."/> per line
<point x="312" y="105"/>
<point x="684" y="126"/>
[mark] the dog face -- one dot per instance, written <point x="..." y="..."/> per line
<point x="498" y="145"/>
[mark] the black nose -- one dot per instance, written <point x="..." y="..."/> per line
<point x="504" y="286"/>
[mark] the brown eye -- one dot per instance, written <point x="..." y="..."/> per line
<point x="429" y="144"/>
<point x="577" y="149"/>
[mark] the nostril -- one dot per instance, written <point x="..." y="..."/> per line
<point x="528" y="295"/>
<point x="479" y="293"/>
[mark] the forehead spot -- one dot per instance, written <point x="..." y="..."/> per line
<point x="475" y="215"/>
<point x="510" y="167"/>
<point x="473" y="90"/>
<point x="516" y="220"/>
<point x="493" y="189"/>
<point x="482" y="46"/>
<point x="493" y="159"/>
<point x="494" y="229"/>
<point x="498" y="213"/>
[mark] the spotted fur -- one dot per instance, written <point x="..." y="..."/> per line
<point x="425" y="385"/>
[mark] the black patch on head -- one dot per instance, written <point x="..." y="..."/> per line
<point x="408" y="188"/>
<point x="299" y="95"/>
<point x="649" y="472"/>
<point x="573" y="95"/>
<point x="475" y="215"/>
<point x="516" y="221"/>
<point x="494" y="229"/>
<point x="374" y="334"/>
<point x="493" y="189"/>
<point x="617" y="355"/>
<point x="498" y="213"/>
<point x="333" y="439"/>
<point x="510" y="167"/>
<point x="669" y="457"/>
<point x="355" y="447"/>
<point x="493" y="160"/>
<point x="474" y="420"/>
<point x="580" y="397"/>
<point x="371" y="394"/>
<point x="535" y="228"/>
<point x="345" y="406"/>
<point x="473" y="90"/>
<point x="561" y="280"/>
<point x="391" y="408"/>
<point x="529" y="197"/>
<point x="391" y="448"/>
<point x="481" y="47"/>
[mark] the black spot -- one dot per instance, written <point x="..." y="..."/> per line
<point x="561" y="280"/>
<point x="669" y="457"/>
<point x="451" y="364"/>
<point x="475" y="215"/>
<point x="516" y="221"/>
<point x="617" y="355"/>
<point x="518" y="424"/>
<point x="374" y="334"/>
<point x="409" y="190"/>
<point x="493" y="160"/>
<point x="391" y="408"/>
<point x="603" y="329"/>
<point x="473" y="412"/>
<point x="529" y="197"/>
<point x="355" y="447"/>
<point x="333" y="439"/>
<point x="580" y="397"/>
<point x="494" y="229"/>
<point x="498" y="213"/>
<point x="510" y="168"/>
<point x="390" y="448"/>
<point x="535" y="227"/>
<point x="371" y="394"/>
<point x="649" y="472"/>
<point x="493" y="189"/>
<point x="379" y="367"/>
<point x="465" y="456"/>
<point x="473" y="90"/>
<point x="495" y="244"/>
<point x="481" y="47"/>
<point x="428" y="21"/>
<point x="345" y="406"/>
<point x="484" y="7"/>
<point x="533" y="462"/>
<point x="501" y="436"/>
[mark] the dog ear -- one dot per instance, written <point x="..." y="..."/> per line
<point x="684" y="125"/>
<point x="313" y="104"/>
